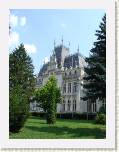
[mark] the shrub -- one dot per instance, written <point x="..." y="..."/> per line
<point x="64" y="115"/>
<point x="102" y="110"/>
<point x="79" y="116"/>
<point x="100" y="119"/>
<point x="18" y="109"/>
<point x="39" y="114"/>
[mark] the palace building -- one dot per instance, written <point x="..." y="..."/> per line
<point x="69" y="71"/>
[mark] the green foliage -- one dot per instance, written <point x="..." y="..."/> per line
<point x="21" y="86"/>
<point x="18" y="109"/>
<point x="21" y="70"/>
<point x="95" y="77"/>
<point x="100" y="119"/>
<point x="38" y="114"/>
<point x="48" y="96"/>
<point x="102" y="110"/>
<point x="74" y="116"/>
<point x="40" y="96"/>
<point x="78" y="116"/>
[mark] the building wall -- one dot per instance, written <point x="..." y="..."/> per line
<point x="69" y="81"/>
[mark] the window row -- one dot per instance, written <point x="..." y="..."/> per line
<point x="70" y="73"/>
<point x="70" y="88"/>
<point x="69" y="106"/>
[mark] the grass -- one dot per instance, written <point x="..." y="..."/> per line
<point x="36" y="128"/>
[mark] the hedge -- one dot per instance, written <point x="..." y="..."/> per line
<point x="78" y="116"/>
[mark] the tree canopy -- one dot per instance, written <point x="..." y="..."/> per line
<point x="48" y="96"/>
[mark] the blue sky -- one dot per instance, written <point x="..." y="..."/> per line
<point x="37" y="30"/>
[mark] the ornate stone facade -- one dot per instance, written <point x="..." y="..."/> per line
<point x="69" y="71"/>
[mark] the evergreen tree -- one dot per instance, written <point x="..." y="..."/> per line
<point x="21" y="87"/>
<point x="95" y="72"/>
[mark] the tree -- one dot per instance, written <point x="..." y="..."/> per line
<point x="18" y="109"/>
<point x="21" y="87"/>
<point x="48" y="96"/>
<point x="95" y="72"/>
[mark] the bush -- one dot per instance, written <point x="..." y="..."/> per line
<point x="78" y="116"/>
<point x="102" y="110"/>
<point x="100" y="119"/>
<point x="39" y="114"/>
<point x="18" y="109"/>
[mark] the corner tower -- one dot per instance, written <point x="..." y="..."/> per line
<point x="61" y="52"/>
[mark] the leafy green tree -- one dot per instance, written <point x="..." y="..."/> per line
<point x="48" y="96"/>
<point x="21" y="86"/>
<point x="40" y="97"/>
<point x="95" y="73"/>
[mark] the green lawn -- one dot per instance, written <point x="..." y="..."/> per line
<point x="36" y="128"/>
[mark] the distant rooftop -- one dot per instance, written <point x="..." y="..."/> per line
<point x="71" y="60"/>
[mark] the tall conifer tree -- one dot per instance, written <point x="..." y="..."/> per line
<point x="21" y="86"/>
<point x="95" y="72"/>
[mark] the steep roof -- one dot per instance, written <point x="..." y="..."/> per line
<point x="71" y="61"/>
<point x="43" y="69"/>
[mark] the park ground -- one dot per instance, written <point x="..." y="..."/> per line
<point x="36" y="128"/>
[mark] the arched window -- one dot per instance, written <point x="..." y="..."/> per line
<point x="68" y="105"/>
<point x="94" y="107"/>
<point x="69" y="87"/>
<point x="75" y="72"/>
<point x="74" y="105"/>
<point x="64" y="88"/>
<point x="75" y="87"/>
<point x="63" y="106"/>
<point x="70" y="73"/>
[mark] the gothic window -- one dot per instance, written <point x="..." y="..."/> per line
<point x="74" y="105"/>
<point x="68" y="105"/>
<point x="75" y="72"/>
<point x="69" y="87"/>
<point x="65" y="74"/>
<point x="34" y="106"/>
<point x="39" y="81"/>
<point x="75" y="87"/>
<point x="64" y="88"/>
<point x="70" y="73"/>
<point x="89" y="106"/>
<point x="94" y="107"/>
<point x="63" y="106"/>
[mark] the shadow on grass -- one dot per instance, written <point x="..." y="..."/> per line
<point x="73" y="132"/>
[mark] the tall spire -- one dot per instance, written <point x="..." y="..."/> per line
<point x="54" y="47"/>
<point x="69" y="44"/>
<point x="78" y="49"/>
<point x="54" y="43"/>
<point x="62" y="40"/>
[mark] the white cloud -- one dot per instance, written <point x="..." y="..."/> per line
<point x="63" y="25"/>
<point x="13" y="39"/>
<point x="23" y="21"/>
<point x="30" y="48"/>
<point x="13" y="20"/>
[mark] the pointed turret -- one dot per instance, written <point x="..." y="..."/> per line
<point x="62" y="40"/>
<point x="78" y="49"/>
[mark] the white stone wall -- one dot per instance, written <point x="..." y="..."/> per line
<point x="66" y="76"/>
